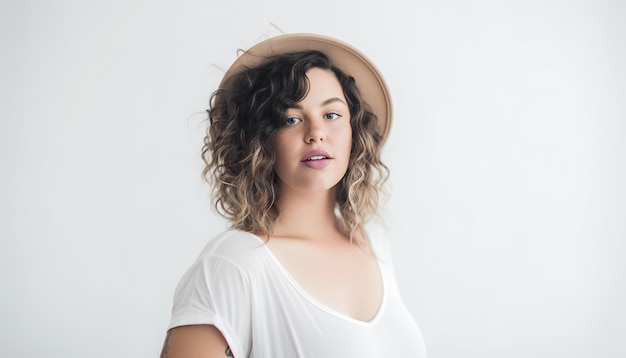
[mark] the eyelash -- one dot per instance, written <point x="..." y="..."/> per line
<point x="332" y="113"/>
<point x="290" y="118"/>
<point x="335" y="114"/>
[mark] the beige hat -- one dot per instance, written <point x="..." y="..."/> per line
<point x="345" y="57"/>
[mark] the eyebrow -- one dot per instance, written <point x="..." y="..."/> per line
<point x="325" y="103"/>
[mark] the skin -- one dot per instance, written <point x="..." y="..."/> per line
<point x="306" y="238"/>
<point x="197" y="341"/>
<point x="321" y="121"/>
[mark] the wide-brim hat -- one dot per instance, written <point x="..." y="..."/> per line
<point x="351" y="61"/>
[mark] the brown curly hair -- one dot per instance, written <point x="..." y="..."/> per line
<point x="246" y="112"/>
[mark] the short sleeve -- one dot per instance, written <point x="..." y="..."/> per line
<point x="215" y="291"/>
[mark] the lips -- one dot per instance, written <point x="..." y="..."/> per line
<point x="315" y="155"/>
<point x="316" y="159"/>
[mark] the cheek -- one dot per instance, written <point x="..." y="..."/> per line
<point x="280" y="151"/>
<point x="348" y="138"/>
<point x="280" y="142"/>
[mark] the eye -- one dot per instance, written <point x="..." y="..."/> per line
<point x="332" y="116"/>
<point x="292" y="120"/>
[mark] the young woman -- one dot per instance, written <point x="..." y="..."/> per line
<point x="293" y="152"/>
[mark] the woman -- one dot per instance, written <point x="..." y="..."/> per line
<point x="293" y="151"/>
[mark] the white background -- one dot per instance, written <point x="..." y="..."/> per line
<point x="507" y="154"/>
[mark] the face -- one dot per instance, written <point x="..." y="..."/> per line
<point x="313" y="146"/>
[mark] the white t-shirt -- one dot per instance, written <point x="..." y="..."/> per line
<point x="239" y="286"/>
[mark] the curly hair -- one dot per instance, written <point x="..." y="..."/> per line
<point x="246" y="112"/>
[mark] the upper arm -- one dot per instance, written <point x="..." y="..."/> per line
<point x="195" y="341"/>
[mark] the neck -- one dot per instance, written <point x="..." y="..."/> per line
<point x="307" y="215"/>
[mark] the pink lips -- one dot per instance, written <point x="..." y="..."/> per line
<point x="316" y="159"/>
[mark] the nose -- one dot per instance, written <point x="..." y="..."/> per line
<point x="315" y="132"/>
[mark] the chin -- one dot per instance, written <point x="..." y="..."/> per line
<point x="313" y="186"/>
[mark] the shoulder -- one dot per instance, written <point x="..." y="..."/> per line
<point x="377" y="235"/>
<point x="224" y="270"/>
<point x="236" y="247"/>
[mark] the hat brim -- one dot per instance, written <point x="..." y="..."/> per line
<point x="368" y="79"/>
